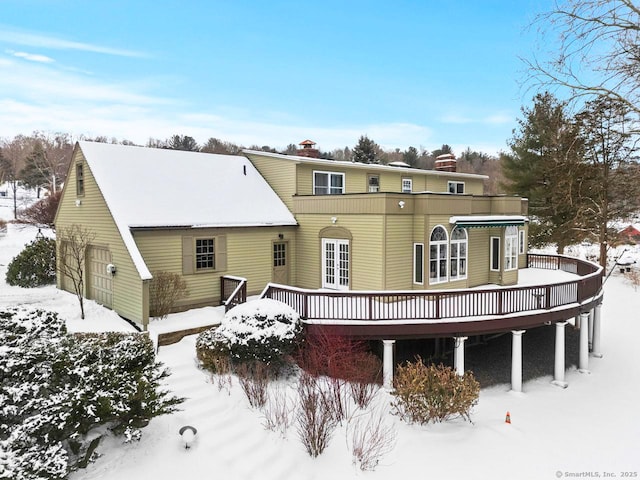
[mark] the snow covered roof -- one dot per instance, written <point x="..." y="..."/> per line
<point x="151" y="187"/>
<point x="368" y="166"/>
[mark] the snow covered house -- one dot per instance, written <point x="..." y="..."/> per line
<point x="195" y="214"/>
<point x="291" y="220"/>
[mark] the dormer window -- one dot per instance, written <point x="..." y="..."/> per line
<point x="328" y="183"/>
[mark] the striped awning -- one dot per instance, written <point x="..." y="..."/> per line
<point x="487" y="221"/>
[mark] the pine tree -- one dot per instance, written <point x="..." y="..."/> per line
<point x="365" y="151"/>
<point x="544" y="167"/>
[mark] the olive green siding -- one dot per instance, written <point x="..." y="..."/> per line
<point x="281" y="176"/>
<point x="366" y="249"/>
<point x="249" y="254"/>
<point x="398" y="252"/>
<point x="92" y="213"/>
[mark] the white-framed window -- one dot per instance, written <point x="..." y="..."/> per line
<point x="328" y="183"/>
<point x="205" y="254"/>
<point x="521" y="245"/>
<point x="455" y="187"/>
<point x="79" y="180"/>
<point x="418" y="263"/>
<point x="495" y="254"/>
<point x="511" y="248"/>
<point x="407" y="185"/>
<point x="373" y="183"/>
<point x="459" y="243"/>
<point x="335" y="264"/>
<point x="438" y="243"/>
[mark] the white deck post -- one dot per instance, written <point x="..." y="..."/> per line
<point x="590" y="329"/>
<point x="387" y="364"/>
<point x="595" y="346"/>
<point x="516" y="360"/>
<point x="583" y="364"/>
<point x="558" y="368"/>
<point x="458" y="355"/>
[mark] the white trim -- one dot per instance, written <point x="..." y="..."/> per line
<point x="415" y="282"/>
<point x="439" y="244"/>
<point x="329" y="176"/>
<point x="453" y="182"/>
<point x="409" y="184"/>
<point x="332" y="268"/>
<point x="458" y="243"/>
<point x="511" y="248"/>
<point x="492" y="253"/>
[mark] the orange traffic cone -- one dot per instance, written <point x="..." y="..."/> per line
<point x="508" y="418"/>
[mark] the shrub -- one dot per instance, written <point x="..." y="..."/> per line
<point x="60" y="393"/>
<point x="165" y="289"/>
<point x="254" y="380"/>
<point x="316" y="421"/>
<point x="370" y="439"/>
<point x="278" y="411"/>
<point x="43" y="212"/>
<point x="261" y="330"/>
<point x="429" y="393"/>
<point x="35" y="265"/>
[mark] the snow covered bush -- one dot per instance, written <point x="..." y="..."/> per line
<point x="35" y="265"/>
<point x="262" y="330"/>
<point x="430" y="393"/>
<point x="61" y="393"/>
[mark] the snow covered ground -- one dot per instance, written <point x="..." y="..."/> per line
<point x="592" y="427"/>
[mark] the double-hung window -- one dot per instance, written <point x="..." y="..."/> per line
<point x="407" y="185"/>
<point x="521" y="245"/>
<point x="79" y="180"/>
<point x="328" y="183"/>
<point x="374" y="183"/>
<point x="205" y="254"/>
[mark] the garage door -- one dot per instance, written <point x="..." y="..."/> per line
<point x="100" y="281"/>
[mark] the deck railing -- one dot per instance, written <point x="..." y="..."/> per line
<point x="447" y="304"/>
<point x="233" y="291"/>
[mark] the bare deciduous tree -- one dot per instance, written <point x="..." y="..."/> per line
<point x="74" y="241"/>
<point x="597" y="50"/>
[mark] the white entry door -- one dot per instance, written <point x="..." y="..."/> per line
<point x="335" y="264"/>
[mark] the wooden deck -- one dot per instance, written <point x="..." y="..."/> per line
<point x="445" y="313"/>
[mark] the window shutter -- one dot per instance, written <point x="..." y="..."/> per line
<point x="221" y="253"/>
<point x="187" y="255"/>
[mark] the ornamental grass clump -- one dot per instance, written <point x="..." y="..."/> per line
<point x="430" y="393"/>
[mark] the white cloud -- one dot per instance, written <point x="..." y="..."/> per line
<point x="17" y="37"/>
<point x="33" y="57"/>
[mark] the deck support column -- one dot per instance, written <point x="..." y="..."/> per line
<point x="516" y="360"/>
<point x="387" y="364"/>
<point x="558" y="367"/>
<point x="595" y="346"/>
<point x="458" y="355"/>
<point x="583" y="364"/>
<point x="590" y="329"/>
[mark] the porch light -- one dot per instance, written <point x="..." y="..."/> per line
<point x="401" y="203"/>
<point x="334" y="219"/>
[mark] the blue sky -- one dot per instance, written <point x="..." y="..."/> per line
<point x="408" y="72"/>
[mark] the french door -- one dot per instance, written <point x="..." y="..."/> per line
<point x="335" y="264"/>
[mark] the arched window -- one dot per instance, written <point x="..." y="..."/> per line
<point x="438" y="243"/>
<point x="511" y="248"/>
<point x="459" y="244"/>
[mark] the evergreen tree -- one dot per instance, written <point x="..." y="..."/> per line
<point x="610" y="160"/>
<point x="183" y="142"/>
<point x="544" y="167"/>
<point x="365" y="151"/>
<point x="410" y="156"/>
<point x="36" y="173"/>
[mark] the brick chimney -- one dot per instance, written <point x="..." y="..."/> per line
<point x="446" y="162"/>
<point x="307" y="149"/>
